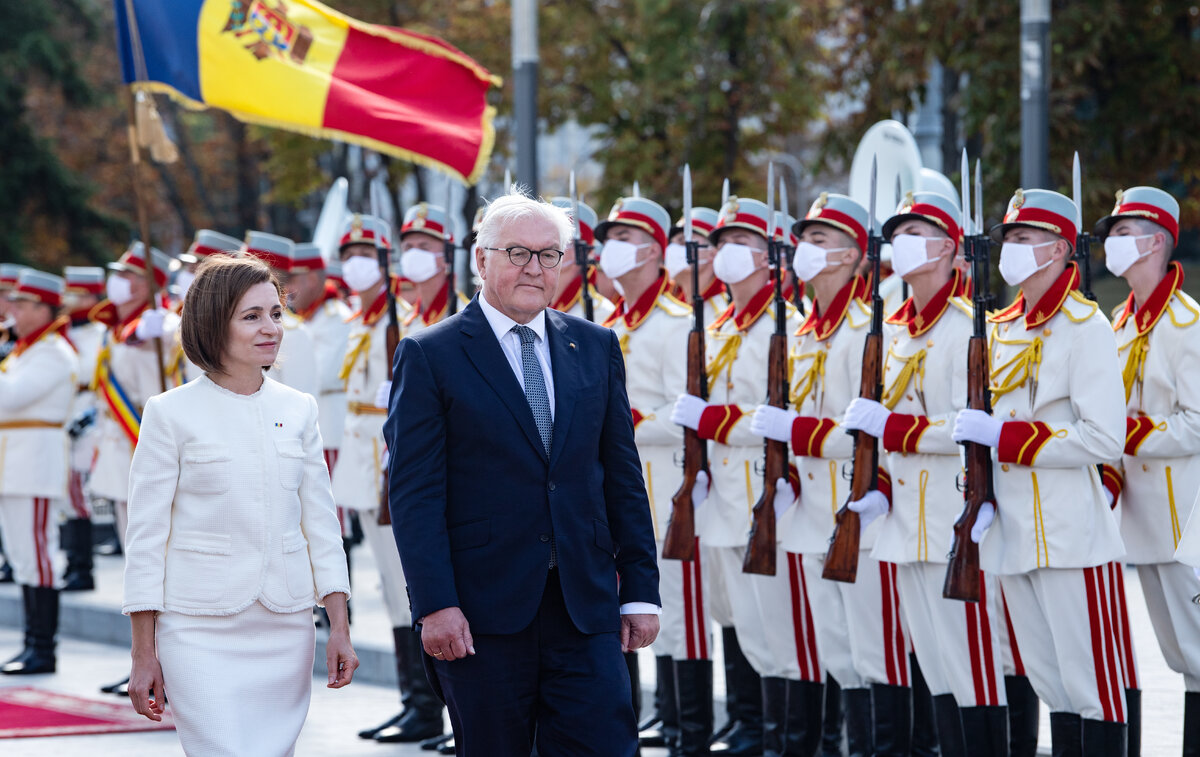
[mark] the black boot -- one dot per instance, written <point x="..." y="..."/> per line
<point x="431" y="745"/>
<point x="693" y="707"/>
<point x="988" y="729"/>
<point x="893" y="720"/>
<point x="1066" y="734"/>
<point x="743" y="701"/>
<point x="1191" y="724"/>
<point x="1023" y="713"/>
<point x="401" y="680"/>
<point x="422" y="715"/>
<point x="924" y="725"/>
<point x="1133" y="718"/>
<point x="6" y="571"/>
<point x="860" y="736"/>
<point x="949" y="722"/>
<point x="831" y="727"/>
<point x="26" y="652"/>
<point x="805" y="710"/>
<point x="77" y="543"/>
<point x="661" y="729"/>
<point x="41" y="624"/>
<point x="1104" y="739"/>
<point x="635" y="688"/>
<point x="774" y="724"/>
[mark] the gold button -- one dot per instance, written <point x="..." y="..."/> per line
<point x="1144" y="468"/>
<point x="729" y="385"/>
<point x="725" y="461"/>
<point x="1006" y="328"/>
<point x="810" y="477"/>
<point x="909" y="396"/>
<point x="900" y="481"/>
<point x="1046" y="332"/>
<point x="895" y="340"/>
<point x="1012" y="413"/>
<point x="929" y="343"/>
<point x="1004" y="467"/>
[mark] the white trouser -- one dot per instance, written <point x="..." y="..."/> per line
<point x="684" y="629"/>
<point x="860" y="634"/>
<point x="1063" y="622"/>
<point x="1169" y="588"/>
<point x="1119" y="607"/>
<point x="784" y="611"/>
<point x="391" y="573"/>
<point x="747" y="620"/>
<point x="955" y="642"/>
<point x="30" y="526"/>
<point x="716" y="595"/>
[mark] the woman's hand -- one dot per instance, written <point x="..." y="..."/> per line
<point x="340" y="660"/>
<point x="146" y="689"/>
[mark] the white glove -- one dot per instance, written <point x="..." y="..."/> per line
<point x="784" y="496"/>
<point x="700" y="490"/>
<point x="687" y="411"/>
<point x="150" y="325"/>
<point x="771" y="422"/>
<point x="870" y="507"/>
<point x="383" y="394"/>
<point x="976" y="426"/>
<point x="866" y="415"/>
<point x="987" y="512"/>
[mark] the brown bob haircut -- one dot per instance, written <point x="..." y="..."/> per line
<point x="211" y="300"/>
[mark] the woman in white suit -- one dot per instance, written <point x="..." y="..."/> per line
<point x="232" y="534"/>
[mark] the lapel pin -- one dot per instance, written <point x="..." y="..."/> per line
<point x="571" y="345"/>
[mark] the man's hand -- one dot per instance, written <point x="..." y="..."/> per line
<point x="638" y="631"/>
<point x="867" y="416"/>
<point x="446" y="636"/>
<point x="771" y="422"/>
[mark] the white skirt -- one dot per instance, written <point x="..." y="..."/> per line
<point x="237" y="685"/>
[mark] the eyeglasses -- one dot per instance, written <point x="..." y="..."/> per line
<point x="519" y="256"/>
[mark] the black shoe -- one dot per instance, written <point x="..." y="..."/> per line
<point x="988" y="727"/>
<point x="893" y="720"/>
<point x="6" y="571"/>
<point x="1104" y="739"/>
<point x="120" y="688"/>
<point x="1133" y="719"/>
<point x="1066" y="734"/>
<point x="774" y="697"/>
<point x="41" y="623"/>
<point x="831" y="726"/>
<point x="693" y="693"/>
<point x="447" y="747"/>
<point x="369" y="733"/>
<point x="431" y="745"/>
<point x="805" y="711"/>
<point x="949" y="723"/>
<point x="924" y="726"/>
<point x="856" y="709"/>
<point x="1191" y="724"/>
<point x="422" y="715"/>
<point x="1023" y="713"/>
<point x="662" y="728"/>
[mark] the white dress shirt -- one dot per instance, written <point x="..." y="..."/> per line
<point x="510" y="344"/>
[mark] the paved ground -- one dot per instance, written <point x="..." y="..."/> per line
<point x="94" y="651"/>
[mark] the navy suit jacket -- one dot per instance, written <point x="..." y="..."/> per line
<point x="475" y="500"/>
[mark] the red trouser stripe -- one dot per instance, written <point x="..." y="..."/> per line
<point x="689" y="619"/>
<point x="802" y="626"/>
<point x="1018" y="665"/>
<point x="985" y="639"/>
<point x="1108" y="681"/>
<point x="901" y="641"/>
<point x="1116" y="681"/>
<point x="977" y="673"/>
<point x="75" y="488"/>
<point x="701" y="622"/>
<point x="895" y="652"/>
<point x="1121" y="623"/>
<point x="41" y="514"/>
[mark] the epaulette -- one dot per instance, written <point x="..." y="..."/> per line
<point x="964" y="304"/>
<point x="1183" y="310"/>
<point x="1079" y="308"/>
<point x="672" y="306"/>
<point x="858" y="314"/>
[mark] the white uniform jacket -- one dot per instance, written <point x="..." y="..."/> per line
<point x="1158" y="345"/>
<point x="826" y="371"/>
<point x="296" y="363"/>
<point x="571" y="303"/>
<point x="37" y="391"/>
<point x="653" y="335"/>
<point x="925" y="385"/>
<point x="737" y="347"/>
<point x="329" y="327"/>
<point x="1056" y="385"/>
<point x="229" y="504"/>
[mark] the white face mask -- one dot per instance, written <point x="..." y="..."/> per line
<point x="734" y="263"/>
<point x="910" y="252"/>
<point x="675" y="259"/>
<point x="183" y="282"/>
<point x="1122" y="252"/>
<point x="1018" y="261"/>
<point x="118" y="290"/>
<point x="419" y="265"/>
<point x="361" y="273"/>
<point x="618" y="258"/>
<point x="810" y="259"/>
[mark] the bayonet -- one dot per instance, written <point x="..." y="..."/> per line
<point x="582" y="258"/>
<point x="724" y="192"/>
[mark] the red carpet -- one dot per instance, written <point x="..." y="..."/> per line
<point x="28" y="712"/>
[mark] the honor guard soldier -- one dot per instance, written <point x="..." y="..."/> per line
<point x="296" y="365"/>
<point x="569" y="297"/>
<point x="712" y="290"/>
<point x="38" y="380"/>
<point x="9" y="272"/>
<point x="358" y="476"/>
<point x="925" y="380"/>
<point x="423" y="237"/>
<point x="205" y="244"/>
<point x="771" y="614"/>
<point x="1158" y="347"/>
<point x="858" y="625"/>
<point x="653" y="328"/>
<point x="1056" y="403"/>
<point x="84" y="288"/>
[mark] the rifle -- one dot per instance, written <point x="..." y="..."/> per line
<point x="451" y="290"/>
<point x="584" y="264"/>
<point x="760" y="553"/>
<point x="1083" y="240"/>
<point x="841" y="561"/>
<point x="788" y="250"/>
<point x="962" y="564"/>
<point x="680" y="540"/>
<point x="391" y="337"/>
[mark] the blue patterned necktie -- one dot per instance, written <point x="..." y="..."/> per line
<point x="535" y="386"/>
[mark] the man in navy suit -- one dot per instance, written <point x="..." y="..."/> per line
<point x="519" y="508"/>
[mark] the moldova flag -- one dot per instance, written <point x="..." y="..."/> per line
<point x="300" y="66"/>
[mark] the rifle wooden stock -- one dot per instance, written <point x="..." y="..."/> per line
<point x="841" y="561"/>
<point x="760" y="553"/>
<point x="680" y="540"/>
<point x="962" y="568"/>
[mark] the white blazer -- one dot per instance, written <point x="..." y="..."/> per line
<point x="229" y="503"/>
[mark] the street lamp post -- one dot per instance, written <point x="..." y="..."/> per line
<point x="525" y="79"/>
<point x="1035" y="93"/>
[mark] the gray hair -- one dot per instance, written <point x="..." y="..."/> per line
<point x="517" y="206"/>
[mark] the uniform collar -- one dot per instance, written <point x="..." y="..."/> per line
<point x="501" y="324"/>
<point x="757" y="305"/>
<point x="330" y="293"/>
<point x="919" y="323"/>
<point x="1047" y="307"/>
<point x="376" y="310"/>
<point x="1156" y="304"/>
<point x="436" y="309"/>
<point x="641" y="309"/>
<point x="823" y="324"/>
<point x="58" y="326"/>
<point x="569" y="296"/>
